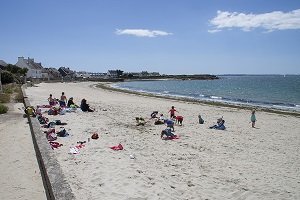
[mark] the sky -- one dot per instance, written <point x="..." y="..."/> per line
<point x="165" y="36"/>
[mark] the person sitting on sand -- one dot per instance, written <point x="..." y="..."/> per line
<point x="85" y="107"/>
<point x="51" y="100"/>
<point x="220" y="124"/>
<point x="160" y="120"/>
<point x="201" y="121"/>
<point x="170" y="124"/>
<point x="71" y="103"/>
<point x="167" y="132"/>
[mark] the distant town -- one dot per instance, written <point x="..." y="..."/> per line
<point x="35" y="70"/>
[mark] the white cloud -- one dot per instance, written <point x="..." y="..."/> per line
<point x="142" y="32"/>
<point x="272" y="21"/>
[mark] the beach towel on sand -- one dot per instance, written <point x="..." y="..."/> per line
<point x="118" y="147"/>
<point x="55" y="145"/>
<point x="171" y="137"/>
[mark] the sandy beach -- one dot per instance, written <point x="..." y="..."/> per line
<point x="238" y="163"/>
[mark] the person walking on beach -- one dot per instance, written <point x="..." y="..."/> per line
<point x="253" y="118"/>
<point x="172" y="112"/>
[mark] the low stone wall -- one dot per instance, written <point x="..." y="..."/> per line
<point x="55" y="184"/>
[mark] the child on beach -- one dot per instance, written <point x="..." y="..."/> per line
<point x="170" y="124"/>
<point x="253" y="118"/>
<point x="220" y="125"/>
<point x="172" y="112"/>
<point x="179" y="120"/>
<point x="201" y="121"/>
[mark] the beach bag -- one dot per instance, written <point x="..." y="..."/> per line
<point x="95" y="136"/>
<point x="62" y="133"/>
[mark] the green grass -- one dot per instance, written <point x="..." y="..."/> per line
<point x="4" y="98"/>
<point x="3" y="109"/>
<point x="11" y="92"/>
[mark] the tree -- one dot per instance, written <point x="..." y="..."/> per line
<point x="7" y="77"/>
<point x="119" y="72"/>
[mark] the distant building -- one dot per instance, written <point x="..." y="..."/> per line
<point x="67" y="73"/>
<point x="53" y="73"/>
<point x="112" y="73"/>
<point x="34" y="69"/>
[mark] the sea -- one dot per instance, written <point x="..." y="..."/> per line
<point x="269" y="91"/>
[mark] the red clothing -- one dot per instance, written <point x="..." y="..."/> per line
<point x="172" y="111"/>
<point x="179" y="118"/>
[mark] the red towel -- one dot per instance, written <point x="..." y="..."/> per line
<point x="55" y="145"/>
<point x="175" y="137"/>
<point x="116" y="148"/>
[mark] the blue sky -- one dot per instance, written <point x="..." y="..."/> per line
<point x="167" y="36"/>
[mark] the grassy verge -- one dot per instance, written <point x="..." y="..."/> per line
<point x="11" y="93"/>
<point x="106" y="86"/>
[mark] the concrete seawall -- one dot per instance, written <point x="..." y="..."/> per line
<point x="55" y="184"/>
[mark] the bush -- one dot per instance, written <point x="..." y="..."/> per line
<point x="3" y="109"/>
<point x="4" y="98"/>
<point x="7" y="77"/>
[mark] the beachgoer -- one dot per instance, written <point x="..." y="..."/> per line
<point x="170" y="123"/>
<point x="63" y="100"/>
<point x="253" y="118"/>
<point x="51" y="100"/>
<point x="168" y="133"/>
<point x="172" y="112"/>
<point x="140" y="121"/>
<point x="201" y="121"/>
<point x="179" y="120"/>
<point x="154" y="114"/>
<point x="71" y="103"/>
<point x="160" y="120"/>
<point x="220" y="124"/>
<point x="162" y="117"/>
<point x="85" y="107"/>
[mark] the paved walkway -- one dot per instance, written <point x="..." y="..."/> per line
<point x="19" y="171"/>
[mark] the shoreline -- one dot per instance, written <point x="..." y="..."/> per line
<point x="239" y="162"/>
<point x="107" y="86"/>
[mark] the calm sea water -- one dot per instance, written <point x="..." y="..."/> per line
<point x="275" y="91"/>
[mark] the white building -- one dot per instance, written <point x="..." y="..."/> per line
<point x="34" y="69"/>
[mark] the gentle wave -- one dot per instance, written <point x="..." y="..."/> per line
<point x="212" y="98"/>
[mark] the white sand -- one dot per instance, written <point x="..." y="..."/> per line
<point x="20" y="176"/>
<point x="238" y="163"/>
